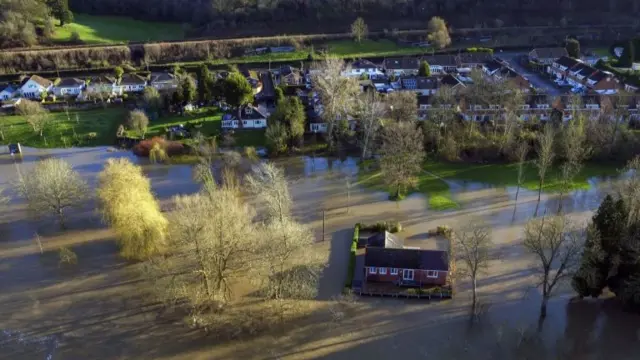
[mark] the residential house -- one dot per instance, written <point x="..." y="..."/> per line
<point x="163" y="81"/>
<point x="453" y="82"/>
<point x="603" y="82"/>
<point x="69" y="87"/>
<point x="578" y="74"/>
<point x="473" y="60"/>
<point x="424" y="105"/>
<point x="406" y="267"/>
<point x="560" y="67"/>
<point x="34" y="86"/>
<point x="384" y="239"/>
<point x="267" y="93"/>
<point x="7" y="92"/>
<point x="441" y="64"/>
<point x="316" y="123"/>
<point x="547" y="56"/>
<point x="131" y="83"/>
<point x="380" y="83"/>
<point x="291" y="76"/>
<point x="251" y="118"/>
<point x="515" y="78"/>
<point x="103" y="85"/>
<point x="421" y="85"/>
<point x="491" y="67"/>
<point x="401" y="66"/>
<point x="362" y="67"/>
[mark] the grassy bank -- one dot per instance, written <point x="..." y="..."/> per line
<point x="507" y="174"/>
<point x="80" y="128"/>
<point x="436" y="190"/>
<point x="113" y="29"/>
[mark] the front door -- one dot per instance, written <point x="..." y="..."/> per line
<point x="407" y="274"/>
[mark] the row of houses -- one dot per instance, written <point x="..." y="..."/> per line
<point x="581" y="74"/>
<point x="35" y="86"/>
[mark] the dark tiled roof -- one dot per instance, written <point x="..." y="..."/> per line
<point x="384" y="240"/>
<point x="424" y="100"/>
<point x="430" y="82"/>
<point x="550" y="53"/>
<point x="507" y="72"/>
<point x="102" y="79"/>
<point x="441" y="60"/>
<point x="162" y="77"/>
<point x="407" y="259"/>
<point x="567" y="62"/>
<point x="363" y="64"/>
<point x="597" y="76"/>
<point x="132" y="79"/>
<point x="474" y="57"/>
<point x="70" y="82"/>
<point x="401" y="63"/>
<point x="492" y="65"/>
<point x="254" y="114"/>
<point x="450" y="80"/>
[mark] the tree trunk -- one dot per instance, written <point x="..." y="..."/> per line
<point x="543" y="307"/>
<point x="540" y="189"/>
<point x="474" y="302"/>
<point x="61" y="219"/>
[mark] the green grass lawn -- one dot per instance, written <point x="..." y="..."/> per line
<point x="506" y="174"/>
<point x="113" y="29"/>
<point x="436" y="190"/>
<point x="76" y="130"/>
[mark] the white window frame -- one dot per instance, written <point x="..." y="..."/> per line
<point x="382" y="271"/>
<point x="406" y="272"/>
<point x="394" y="271"/>
<point x="373" y="270"/>
<point x="432" y="273"/>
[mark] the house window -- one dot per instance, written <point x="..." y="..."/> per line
<point x="372" y="270"/>
<point x="383" y="271"/>
<point x="432" y="274"/>
<point x="394" y="271"/>
<point x="407" y="274"/>
<point x="248" y="111"/>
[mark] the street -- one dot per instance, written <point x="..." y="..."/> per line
<point x="535" y="79"/>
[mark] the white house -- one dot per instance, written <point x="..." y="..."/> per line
<point x="420" y="85"/>
<point x="35" y="86"/>
<point x="69" y="87"/>
<point x="163" y="81"/>
<point x="318" y="127"/>
<point x="131" y="83"/>
<point x="401" y="66"/>
<point x="251" y="118"/>
<point x="441" y="64"/>
<point x="103" y="85"/>
<point x="362" y="67"/>
<point x="7" y="93"/>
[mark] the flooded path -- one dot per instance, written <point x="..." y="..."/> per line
<point x="98" y="310"/>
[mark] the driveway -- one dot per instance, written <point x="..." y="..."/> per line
<point x="536" y="80"/>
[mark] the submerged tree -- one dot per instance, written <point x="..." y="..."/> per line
<point x="472" y="250"/>
<point x="545" y="155"/>
<point x="53" y="187"/>
<point x="129" y="207"/>
<point x="268" y="183"/>
<point x="370" y="111"/>
<point x="401" y="158"/>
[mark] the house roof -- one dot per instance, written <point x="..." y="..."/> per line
<point x="385" y="239"/>
<point x="249" y="112"/>
<point x="424" y="99"/>
<point x="401" y="63"/>
<point x="585" y="69"/>
<point x="41" y="81"/>
<point x="407" y="258"/>
<point x="549" y="52"/>
<point x="441" y="60"/>
<point x="8" y="88"/>
<point x="492" y="65"/>
<point x="421" y="82"/>
<point x="474" y="57"/>
<point x="363" y="64"/>
<point x="567" y="62"/>
<point x="105" y="79"/>
<point x="132" y="79"/>
<point x="287" y="70"/>
<point x="70" y="82"/>
<point x="450" y="80"/>
<point x="597" y="76"/>
<point x="162" y="77"/>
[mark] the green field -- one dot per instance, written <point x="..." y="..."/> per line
<point x="80" y="128"/>
<point x="112" y="29"/>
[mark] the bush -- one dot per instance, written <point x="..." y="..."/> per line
<point x="171" y="148"/>
<point x="75" y="38"/>
<point x="67" y="256"/>
<point x="390" y="226"/>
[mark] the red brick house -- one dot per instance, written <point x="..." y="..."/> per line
<point x="406" y="267"/>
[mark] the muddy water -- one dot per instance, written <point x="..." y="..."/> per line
<point x="98" y="309"/>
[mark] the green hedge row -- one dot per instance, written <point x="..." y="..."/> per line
<point x="352" y="256"/>
<point x="390" y="226"/>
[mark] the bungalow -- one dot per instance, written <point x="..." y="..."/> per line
<point x="251" y="118"/>
<point x="401" y="66"/>
<point x="35" y="86"/>
<point x="547" y="56"/>
<point x="103" y="85"/>
<point x="491" y="67"/>
<point x="421" y="85"/>
<point x="380" y="83"/>
<point x="453" y="82"/>
<point x="69" y="87"/>
<point x="441" y="64"/>
<point x="163" y="81"/>
<point x="362" y="67"/>
<point x="471" y="60"/>
<point x="131" y="83"/>
<point x="406" y="267"/>
<point x="7" y="92"/>
<point x="291" y="76"/>
<point x="560" y="67"/>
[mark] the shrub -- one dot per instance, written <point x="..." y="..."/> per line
<point x="75" y="38"/>
<point x="92" y="136"/>
<point x="171" y="148"/>
<point x="390" y="226"/>
<point x="67" y="256"/>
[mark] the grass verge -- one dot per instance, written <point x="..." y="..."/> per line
<point x="115" y="29"/>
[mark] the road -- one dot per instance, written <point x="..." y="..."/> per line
<point x="535" y="79"/>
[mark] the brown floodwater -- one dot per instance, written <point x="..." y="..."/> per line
<point x="99" y="308"/>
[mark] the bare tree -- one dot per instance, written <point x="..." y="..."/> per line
<point x="53" y="187"/>
<point x="472" y="249"/>
<point x="402" y="154"/>
<point x="576" y="150"/>
<point x="138" y="121"/>
<point x="129" y="207"/>
<point x="370" y="111"/>
<point x="402" y="106"/>
<point x="438" y="32"/>
<point x="558" y="247"/>
<point x="545" y="155"/>
<point x="34" y="114"/>
<point x="359" y="30"/>
<point x="268" y="183"/>
<point x="337" y="93"/>
<point x="521" y="154"/>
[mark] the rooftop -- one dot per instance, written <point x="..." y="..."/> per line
<point x="407" y="258"/>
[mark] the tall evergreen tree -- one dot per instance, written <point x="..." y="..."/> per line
<point x="205" y="84"/>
